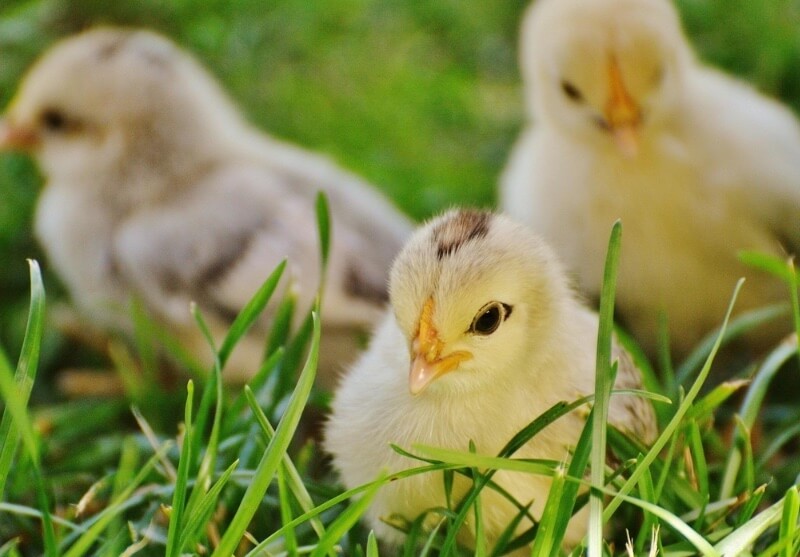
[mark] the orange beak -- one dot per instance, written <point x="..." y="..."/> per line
<point x="622" y="113"/>
<point x="428" y="363"/>
<point x="16" y="138"/>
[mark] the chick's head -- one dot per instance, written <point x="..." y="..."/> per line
<point x="606" y="71"/>
<point x="477" y="297"/>
<point x="109" y="97"/>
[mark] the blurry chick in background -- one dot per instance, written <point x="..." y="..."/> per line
<point x="484" y="335"/>
<point x="157" y="188"/>
<point x="626" y="123"/>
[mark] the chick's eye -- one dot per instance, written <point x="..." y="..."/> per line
<point x="53" y="120"/>
<point x="488" y="319"/>
<point x="573" y="93"/>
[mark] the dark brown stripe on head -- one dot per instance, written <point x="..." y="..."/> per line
<point x="463" y="226"/>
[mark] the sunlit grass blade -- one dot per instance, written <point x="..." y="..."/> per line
<point x="294" y="480"/>
<point x="515" y="443"/>
<point x="546" y="543"/>
<point x="605" y="374"/>
<point x="324" y="228"/>
<point x="24" y="376"/>
<point x="15" y="391"/>
<point x="179" y="495"/>
<point x="745" y="321"/>
<point x="751" y="405"/>
<point x="274" y="454"/>
<point x="345" y="521"/>
<point x="344" y="496"/>
<point x="372" y="545"/>
<point x="740" y="540"/>
<point x="669" y="519"/>
<point x="705" y="407"/>
<point x="249" y="313"/>
<point x="791" y="507"/>
<point x="669" y="430"/>
<point x="566" y="502"/>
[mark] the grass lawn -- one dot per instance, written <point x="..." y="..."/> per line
<point x="423" y="99"/>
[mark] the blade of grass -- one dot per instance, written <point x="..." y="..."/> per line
<point x="743" y="322"/>
<point x="199" y="514"/>
<point x="372" y="545"/>
<point x="15" y="391"/>
<point x="740" y="540"/>
<point x="345" y="521"/>
<point x="179" y="496"/>
<point x="274" y="453"/>
<point x="324" y="229"/>
<point x="569" y="495"/>
<point x="25" y="374"/>
<point x="669" y="430"/>
<point x="605" y="374"/>
<point x="295" y="481"/>
<point x="290" y="539"/>
<point x="791" y="506"/>
<point x="751" y="406"/>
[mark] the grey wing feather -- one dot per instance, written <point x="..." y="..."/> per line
<point x="214" y="244"/>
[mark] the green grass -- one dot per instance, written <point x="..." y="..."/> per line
<point x="423" y="99"/>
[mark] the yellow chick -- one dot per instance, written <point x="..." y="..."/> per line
<point x="157" y="188"/>
<point x="626" y="123"/>
<point x="484" y="335"/>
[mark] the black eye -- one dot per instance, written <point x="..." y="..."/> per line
<point x="53" y="120"/>
<point x="488" y="319"/>
<point x="572" y="92"/>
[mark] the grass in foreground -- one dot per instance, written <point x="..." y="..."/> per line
<point x="229" y="482"/>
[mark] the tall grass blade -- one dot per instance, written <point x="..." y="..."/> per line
<point x="791" y="506"/>
<point x="179" y="495"/>
<point x="24" y="377"/>
<point x="324" y="228"/>
<point x="345" y="521"/>
<point x="294" y="480"/>
<point x="274" y="453"/>
<point x="669" y="430"/>
<point x="740" y="540"/>
<point x="751" y="406"/>
<point x="605" y="374"/>
<point x="15" y="389"/>
<point x="249" y="313"/>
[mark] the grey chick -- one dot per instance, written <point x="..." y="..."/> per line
<point x="157" y="188"/>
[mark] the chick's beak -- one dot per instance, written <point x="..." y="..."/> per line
<point x="428" y="363"/>
<point x="16" y="138"/>
<point x="622" y="113"/>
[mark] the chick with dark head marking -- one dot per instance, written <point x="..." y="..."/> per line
<point x="484" y="335"/>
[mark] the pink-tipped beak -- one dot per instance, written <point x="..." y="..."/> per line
<point x="17" y="138"/>
<point x="427" y="361"/>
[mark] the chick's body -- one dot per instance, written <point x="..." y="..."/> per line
<point x="156" y="188"/>
<point x="540" y="353"/>
<point x="715" y="168"/>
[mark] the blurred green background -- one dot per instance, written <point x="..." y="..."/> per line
<point x="422" y="98"/>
